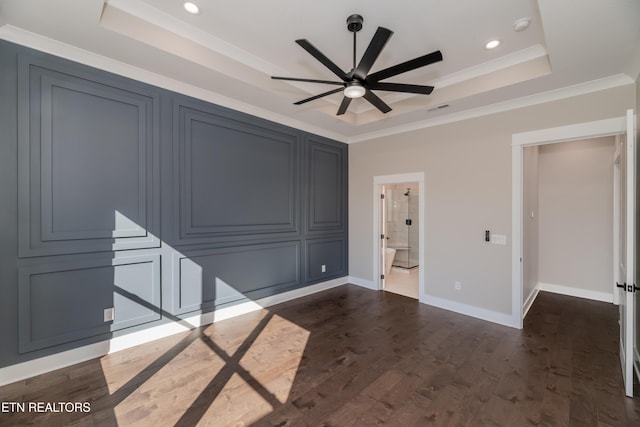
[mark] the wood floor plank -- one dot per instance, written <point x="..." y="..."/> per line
<point x="555" y="410"/>
<point x="354" y="357"/>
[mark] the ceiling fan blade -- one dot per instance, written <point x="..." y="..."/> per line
<point x="401" y="87"/>
<point x="323" y="59"/>
<point x="376" y="45"/>
<point x="319" y="96"/>
<point x="293" y="79"/>
<point x="344" y="105"/>
<point x="376" y="101"/>
<point x="421" y="61"/>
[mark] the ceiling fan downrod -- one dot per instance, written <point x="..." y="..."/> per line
<point x="354" y="24"/>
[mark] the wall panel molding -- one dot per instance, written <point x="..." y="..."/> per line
<point x="207" y="278"/>
<point x="88" y="162"/>
<point x="326" y="190"/>
<point x="63" y="301"/>
<point x="235" y="179"/>
<point x="329" y="252"/>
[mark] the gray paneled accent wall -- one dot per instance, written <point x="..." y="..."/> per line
<point x="327" y="173"/>
<point x="207" y="278"/>
<point x="233" y="178"/>
<point x="330" y="252"/>
<point x="117" y="194"/>
<point x="88" y="161"/>
<point x="55" y="295"/>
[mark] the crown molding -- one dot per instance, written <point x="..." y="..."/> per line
<point x="45" y="44"/>
<point x="146" y="12"/>
<point x="51" y="46"/>
<point x="525" y="101"/>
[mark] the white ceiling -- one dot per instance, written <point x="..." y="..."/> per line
<point x="228" y="52"/>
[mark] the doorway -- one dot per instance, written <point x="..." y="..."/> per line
<point x="399" y="235"/>
<point x="568" y="219"/>
<point x="401" y="229"/>
<point x="601" y="128"/>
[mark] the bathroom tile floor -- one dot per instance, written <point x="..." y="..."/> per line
<point x="403" y="282"/>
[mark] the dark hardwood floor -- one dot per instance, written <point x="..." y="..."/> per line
<point x="354" y="357"/>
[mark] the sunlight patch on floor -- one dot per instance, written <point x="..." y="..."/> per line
<point x="182" y="379"/>
<point x="262" y="360"/>
<point x="239" y="369"/>
<point x="237" y="404"/>
<point x="123" y="366"/>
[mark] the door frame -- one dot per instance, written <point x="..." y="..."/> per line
<point x="587" y="130"/>
<point x="378" y="183"/>
<point x="617" y="195"/>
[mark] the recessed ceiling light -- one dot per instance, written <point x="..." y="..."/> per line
<point x="191" y="7"/>
<point x="521" y="24"/>
<point x="492" y="44"/>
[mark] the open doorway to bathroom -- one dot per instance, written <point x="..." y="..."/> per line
<point x="399" y="226"/>
<point x="402" y="228"/>
<point x="399" y="248"/>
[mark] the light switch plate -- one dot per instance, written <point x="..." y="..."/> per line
<point x="109" y="314"/>
<point x="498" y="239"/>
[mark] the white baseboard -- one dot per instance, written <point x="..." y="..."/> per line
<point x="529" y="302"/>
<point x="576" y="292"/>
<point x="369" y="284"/>
<point x="31" y="368"/>
<point x="469" y="310"/>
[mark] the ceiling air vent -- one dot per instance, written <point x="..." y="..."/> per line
<point x="439" y="107"/>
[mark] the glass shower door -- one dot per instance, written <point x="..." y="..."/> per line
<point x="403" y="225"/>
<point x="412" y="228"/>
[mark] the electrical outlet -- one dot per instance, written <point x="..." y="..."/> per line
<point x="109" y="314"/>
<point x="457" y="285"/>
<point x="324" y="268"/>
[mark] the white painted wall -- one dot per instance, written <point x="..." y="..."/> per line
<point x="576" y="216"/>
<point x="467" y="167"/>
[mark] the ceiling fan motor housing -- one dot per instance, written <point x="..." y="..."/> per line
<point x="354" y="23"/>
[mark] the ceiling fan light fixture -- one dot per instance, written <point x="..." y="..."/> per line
<point x="191" y="7"/>
<point x="354" y="90"/>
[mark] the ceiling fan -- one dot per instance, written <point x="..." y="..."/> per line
<point x="358" y="82"/>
